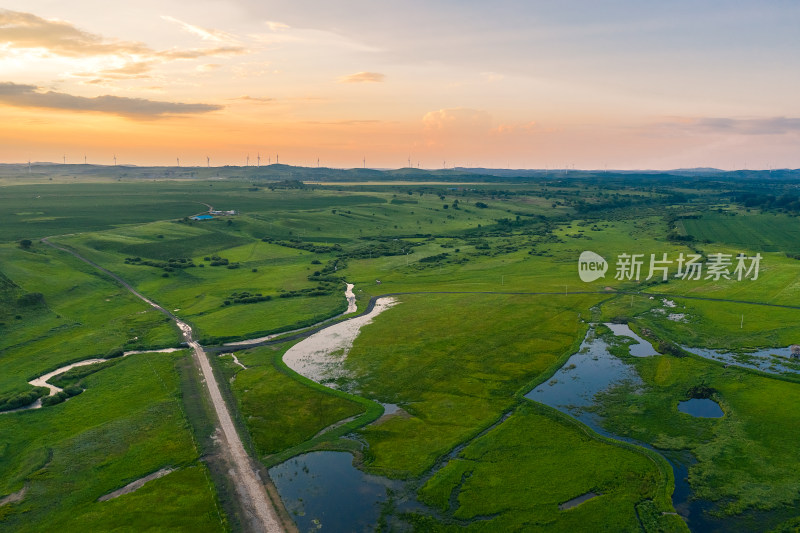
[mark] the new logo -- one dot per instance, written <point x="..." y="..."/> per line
<point x="591" y="266"/>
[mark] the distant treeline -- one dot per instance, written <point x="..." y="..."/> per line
<point x="785" y="202"/>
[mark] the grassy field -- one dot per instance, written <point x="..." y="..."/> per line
<point x="752" y="231"/>
<point x="455" y="363"/>
<point x="296" y="411"/>
<point x="745" y="460"/>
<point x="451" y="382"/>
<point x="127" y="424"/>
<point x="516" y="476"/>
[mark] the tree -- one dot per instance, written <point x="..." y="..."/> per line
<point x="25" y="243"/>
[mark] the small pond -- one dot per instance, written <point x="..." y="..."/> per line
<point x="323" y="490"/>
<point x="770" y="360"/>
<point x="591" y="370"/>
<point x="701" y="408"/>
<point x="642" y="348"/>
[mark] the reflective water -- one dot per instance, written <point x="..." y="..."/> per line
<point x="641" y="349"/>
<point x="591" y="370"/>
<point x="324" y="491"/>
<point x="701" y="408"/>
<point x="770" y="360"/>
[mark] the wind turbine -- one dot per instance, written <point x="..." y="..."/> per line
<point x="29" y="166"/>
<point x="115" y="159"/>
<point x="208" y="162"/>
<point x="258" y="159"/>
<point x="84" y="159"/>
<point x="178" y="159"/>
<point x="65" y="159"/>
<point x="277" y="159"/>
<point x="247" y="163"/>
<point x="365" y="162"/>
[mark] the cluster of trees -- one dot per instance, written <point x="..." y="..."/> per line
<point x="15" y="401"/>
<point x="245" y="297"/>
<point x="785" y="202"/>
<point x="287" y="184"/>
<point x="31" y="299"/>
<point x="435" y="258"/>
<point x="701" y="391"/>
<point x="323" y="289"/>
<point x="382" y="247"/>
<point x="68" y="392"/>
<point x="168" y="266"/>
<point x="307" y="246"/>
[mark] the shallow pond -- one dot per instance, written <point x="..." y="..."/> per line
<point x="591" y="370"/>
<point x="642" y="348"/>
<point x="769" y="360"/>
<point x="594" y="369"/>
<point x="701" y="408"/>
<point x="323" y="490"/>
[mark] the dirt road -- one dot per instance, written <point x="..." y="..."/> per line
<point x="260" y="512"/>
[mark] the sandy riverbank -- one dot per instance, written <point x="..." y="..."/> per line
<point x="319" y="356"/>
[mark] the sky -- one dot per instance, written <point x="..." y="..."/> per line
<point x="592" y="84"/>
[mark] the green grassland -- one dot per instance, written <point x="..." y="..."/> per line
<point x="274" y="399"/>
<point x="752" y="231"/>
<point x="746" y="460"/>
<point x="451" y="382"/>
<point x="83" y="315"/>
<point x="455" y="363"/>
<point x="127" y="424"/>
<point x="552" y="463"/>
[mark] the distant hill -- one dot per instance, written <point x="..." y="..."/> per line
<point x="280" y="172"/>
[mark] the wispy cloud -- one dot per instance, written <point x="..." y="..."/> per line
<point x="344" y="122"/>
<point x="363" y="77"/>
<point x="458" y="119"/>
<point x="206" y="34"/>
<point x="276" y="26"/>
<point x="254" y="99"/>
<point x="131" y="60"/>
<point x="130" y="71"/>
<point x="739" y="126"/>
<point x="25" y="30"/>
<point x="31" y="96"/>
<point x="196" y="53"/>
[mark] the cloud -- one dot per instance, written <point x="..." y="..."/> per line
<point x="208" y="67"/>
<point x="739" y="126"/>
<point x="344" y="122"/>
<point x="276" y="26"/>
<point x="138" y="108"/>
<point x="25" y="30"/>
<point x="507" y="129"/>
<point x="135" y="70"/>
<point x="204" y="33"/>
<point x="254" y="99"/>
<point x="195" y="53"/>
<point x="458" y="119"/>
<point x="363" y="77"/>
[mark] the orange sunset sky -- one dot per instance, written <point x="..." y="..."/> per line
<point x="525" y="84"/>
